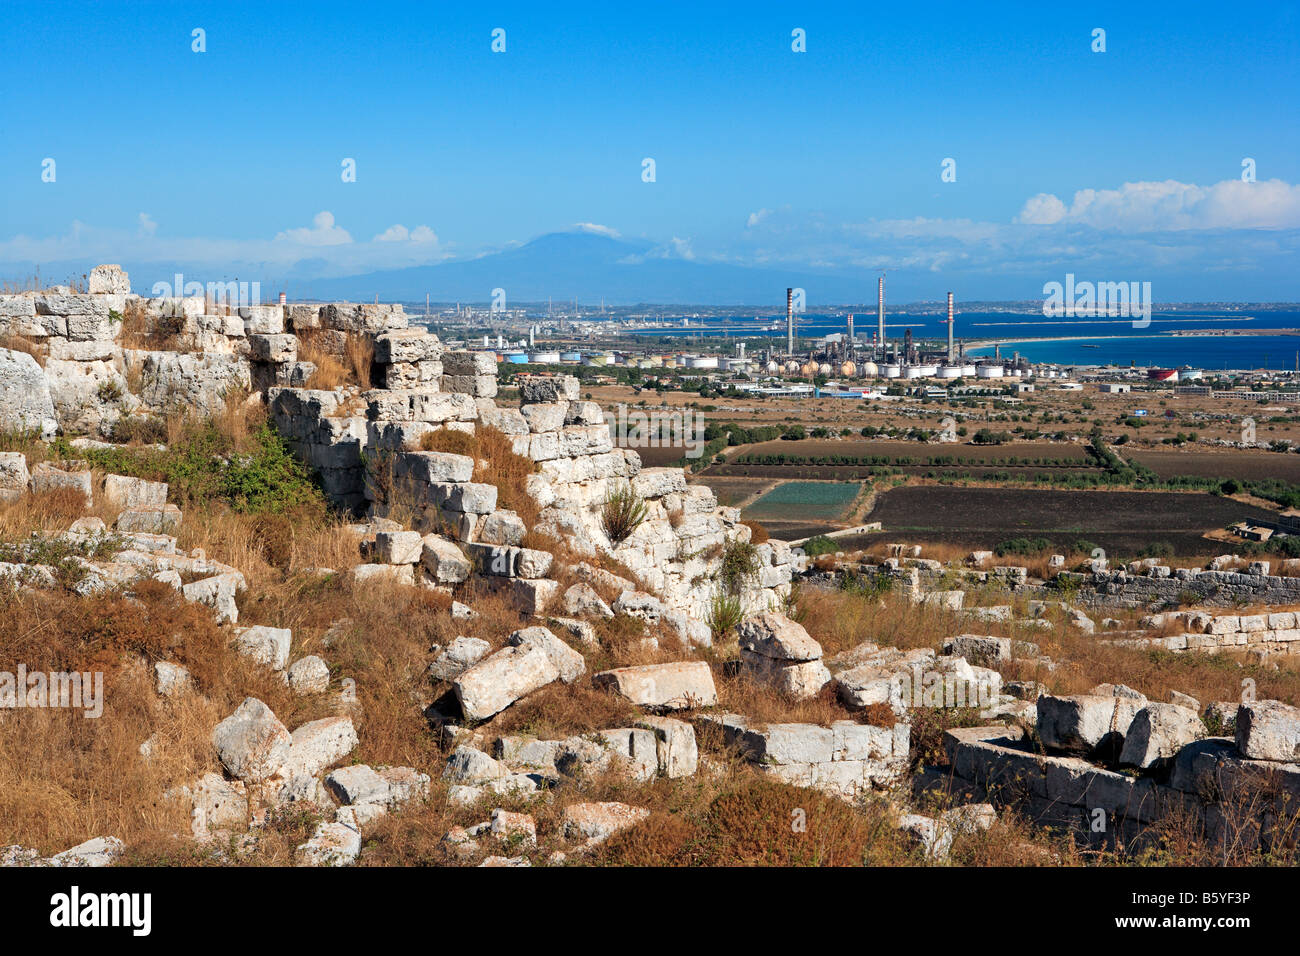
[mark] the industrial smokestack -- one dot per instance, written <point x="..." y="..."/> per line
<point x="850" y="330"/>
<point x="952" y="355"/>
<point x="789" y="321"/>
<point x="880" y="315"/>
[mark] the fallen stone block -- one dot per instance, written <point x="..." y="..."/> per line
<point x="251" y="743"/>
<point x="46" y="478"/>
<point x="162" y="520"/>
<point x="1157" y="733"/>
<point x="317" y="744"/>
<point x="985" y="650"/>
<point x="496" y="682"/>
<point x="122" y="492"/>
<point x="171" y="680"/>
<point x="333" y="844"/>
<point x="309" y="675"/>
<point x="775" y="636"/>
<point x="1268" y="730"/>
<point x="582" y="599"/>
<point x="384" y="574"/>
<point x="101" y="851"/>
<point x="676" y="750"/>
<point x="597" y="822"/>
<point x="266" y="645"/>
<point x="398" y="547"/>
<point x="459" y="656"/>
<point x="677" y="686"/>
<point x="1085" y="723"/>
<point x="569" y="663"/>
<point x="443" y="562"/>
<point x="14" y="477"/>
<point x="387" y="786"/>
<point x="928" y="835"/>
<point x="217" y="592"/>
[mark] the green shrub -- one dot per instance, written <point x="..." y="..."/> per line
<point x="725" y="614"/>
<point x="622" y="512"/>
<point x="819" y="545"/>
<point x="739" y="565"/>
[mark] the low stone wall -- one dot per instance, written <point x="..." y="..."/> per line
<point x="1272" y="633"/>
<point x="845" y="759"/>
<point x="1122" y="588"/>
<point x="1208" y="786"/>
<point x="1154" y="588"/>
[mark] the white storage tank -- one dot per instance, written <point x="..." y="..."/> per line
<point x="891" y="371"/>
<point x="989" y="371"/>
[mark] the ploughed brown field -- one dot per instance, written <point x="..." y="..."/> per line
<point x="658" y="457"/>
<point x="732" y="491"/>
<point x="1228" y="463"/>
<point x="863" y="447"/>
<point x="971" y="460"/>
<point x="1122" y="522"/>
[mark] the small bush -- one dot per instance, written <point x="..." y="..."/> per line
<point x="758" y="534"/>
<point x="739" y="565"/>
<point x="725" y="614"/>
<point x="622" y="512"/>
<point x="1029" y="547"/>
<point x="819" y="545"/>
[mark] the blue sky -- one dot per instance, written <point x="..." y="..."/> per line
<point x="828" y="158"/>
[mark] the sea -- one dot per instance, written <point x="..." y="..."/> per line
<point x="1208" y="339"/>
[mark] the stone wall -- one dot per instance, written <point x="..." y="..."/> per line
<point x="1208" y="785"/>
<point x="1141" y="585"/>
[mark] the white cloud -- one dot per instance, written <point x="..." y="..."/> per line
<point x="597" y="228"/>
<point x="399" y="233"/>
<point x="147" y="226"/>
<point x="322" y="232"/>
<point x="1172" y="206"/>
<point x="1042" y="210"/>
<point x="756" y="217"/>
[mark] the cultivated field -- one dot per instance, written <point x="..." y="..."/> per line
<point x="1122" y="522"/>
<point x="1227" y="463"/>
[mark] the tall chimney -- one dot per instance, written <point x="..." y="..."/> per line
<point x="880" y="313"/>
<point x="789" y="321"/>
<point x="850" y="330"/>
<point x="952" y="355"/>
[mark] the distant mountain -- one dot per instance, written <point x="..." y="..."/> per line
<point x="588" y="267"/>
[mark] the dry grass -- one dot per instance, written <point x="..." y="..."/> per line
<point x="151" y="333"/>
<point x="358" y="356"/>
<point x="51" y="510"/>
<point x="495" y="463"/>
<point x="22" y="343"/>
<point x="65" y="778"/>
<point x="330" y="371"/>
<point x="840" y="620"/>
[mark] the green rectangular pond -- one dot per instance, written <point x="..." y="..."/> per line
<point x="805" y="500"/>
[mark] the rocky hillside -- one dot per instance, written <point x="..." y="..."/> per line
<point x="293" y="584"/>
